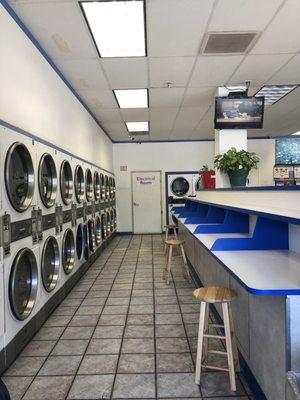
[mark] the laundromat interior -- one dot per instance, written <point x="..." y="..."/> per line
<point x="150" y="199"/>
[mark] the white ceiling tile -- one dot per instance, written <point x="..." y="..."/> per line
<point x="259" y="68"/>
<point x="199" y="96"/>
<point x="283" y="34"/>
<point x="83" y="74"/>
<point x="171" y="69"/>
<point x="159" y="134"/>
<point x="213" y="70"/>
<point x="290" y="73"/>
<point x="135" y="114"/>
<point x="120" y="136"/>
<point x="97" y="99"/>
<point x="109" y="115"/>
<point x="162" y="118"/>
<point x="166" y="97"/>
<point x="242" y="15"/>
<point x="189" y="117"/>
<point x="115" y="127"/>
<point x="180" y="134"/>
<point x="59" y="27"/>
<point x="126" y="73"/>
<point x="176" y="27"/>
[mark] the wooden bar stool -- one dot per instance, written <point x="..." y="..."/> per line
<point x="167" y="270"/>
<point x="207" y="296"/>
<point x="170" y="227"/>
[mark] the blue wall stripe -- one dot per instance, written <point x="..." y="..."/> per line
<point x="49" y="60"/>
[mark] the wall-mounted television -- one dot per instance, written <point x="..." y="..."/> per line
<point x="239" y="112"/>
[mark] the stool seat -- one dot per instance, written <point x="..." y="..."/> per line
<point x="171" y="226"/>
<point x="174" y="242"/>
<point x="214" y="294"/>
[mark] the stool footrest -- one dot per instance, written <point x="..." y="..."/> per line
<point x="214" y="367"/>
<point x="216" y="325"/>
<point x="208" y="335"/>
<point x="219" y="352"/>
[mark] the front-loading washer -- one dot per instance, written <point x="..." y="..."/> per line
<point x="91" y="235"/>
<point x="107" y="191"/>
<point x="19" y="165"/>
<point x="21" y="289"/>
<point x="47" y="181"/>
<point x="98" y="230"/>
<point x="108" y="226"/>
<point x="68" y="252"/>
<point x="2" y="316"/>
<point x="89" y="185"/>
<point x="97" y="185"/>
<point x="79" y="183"/>
<point x="79" y="245"/>
<point x="66" y="183"/>
<point x="103" y="227"/>
<point x="102" y="188"/>
<point x="112" y="220"/>
<point x="114" y="188"/>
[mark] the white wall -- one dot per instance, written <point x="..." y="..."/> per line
<point x="34" y="98"/>
<point x="180" y="156"/>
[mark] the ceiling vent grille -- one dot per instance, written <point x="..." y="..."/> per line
<point x="228" y="42"/>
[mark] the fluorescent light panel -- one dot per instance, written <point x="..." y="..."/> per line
<point x="273" y="93"/>
<point x="296" y="133"/>
<point x="132" y="98"/>
<point x="137" y="126"/>
<point x="118" y="27"/>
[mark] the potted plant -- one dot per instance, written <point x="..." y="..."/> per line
<point x="237" y="164"/>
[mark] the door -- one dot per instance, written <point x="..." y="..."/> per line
<point x="146" y="201"/>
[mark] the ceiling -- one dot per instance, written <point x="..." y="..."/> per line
<point x="175" y="30"/>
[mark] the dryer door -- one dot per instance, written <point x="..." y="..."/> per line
<point x="98" y="231"/>
<point x="23" y="284"/>
<point x="89" y="185"/>
<point x="50" y="264"/>
<point x="79" y="241"/>
<point x="66" y="182"/>
<point x="180" y="186"/>
<point x="91" y="232"/>
<point x="68" y="251"/>
<point x="79" y="184"/>
<point x="47" y="180"/>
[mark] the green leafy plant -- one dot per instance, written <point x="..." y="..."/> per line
<point x="204" y="168"/>
<point x="234" y="160"/>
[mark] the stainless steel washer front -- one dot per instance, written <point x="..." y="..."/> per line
<point x="23" y="284"/>
<point x="98" y="231"/>
<point x="50" y="264"/>
<point x="107" y="193"/>
<point x="97" y="188"/>
<point x="68" y="251"/>
<point x="91" y="233"/>
<point x="85" y="242"/>
<point x="88" y="185"/>
<point x="79" y="241"/>
<point x="110" y="187"/>
<point x="47" y="180"/>
<point x="107" y="223"/>
<point x="114" y="187"/>
<point x="66" y="182"/>
<point x="103" y="226"/>
<point x="79" y="184"/>
<point x="102" y="184"/>
<point x="19" y="176"/>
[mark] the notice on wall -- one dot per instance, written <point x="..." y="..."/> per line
<point x="149" y="180"/>
<point x="123" y="167"/>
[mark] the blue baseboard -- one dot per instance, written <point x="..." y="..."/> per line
<point x="250" y="378"/>
<point x="124" y="233"/>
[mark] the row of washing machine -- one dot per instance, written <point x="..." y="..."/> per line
<point x="56" y="213"/>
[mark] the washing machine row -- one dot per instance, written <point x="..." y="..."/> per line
<point x="56" y="211"/>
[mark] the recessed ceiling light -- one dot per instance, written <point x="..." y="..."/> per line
<point x="273" y="93"/>
<point x="296" y="133"/>
<point x="132" y="98"/>
<point x="117" y="27"/>
<point x="138" y="126"/>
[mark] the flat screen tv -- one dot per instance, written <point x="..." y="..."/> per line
<point x="239" y="112"/>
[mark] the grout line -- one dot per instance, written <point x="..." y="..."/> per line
<point x="154" y="323"/>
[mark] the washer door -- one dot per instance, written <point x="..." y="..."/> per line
<point x="66" y="182"/>
<point x="23" y="284"/>
<point x="112" y="224"/>
<point x="107" y="223"/>
<point x="103" y="226"/>
<point x="85" y="242"/>
<point x="102" y="184"/>
<point x="114" y="187"/>
<point x="180" y="186"/>
<point x="115" y="219"/>
<point x="79" y="241"/>
<point x="91" y="232"/>
<point x="88" y="185"/>
<point x="47" y="180"/>
<point x="19" y="176"/>
<point x="97" y="186"/>
<point x="106" y="187"/>
<point x="50" y="263"/>
<point x="98" y="231"/>
<point x="79" y="184"/>
<point x="110" y="187"/>
<point x="68" y="251"/>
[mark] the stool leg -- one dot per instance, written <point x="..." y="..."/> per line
<point x="234" y="344"/>
<point x="169" y="264"/>
<point x="205" y="340"/>
<point x="185" y="269"/>
<point x="166" y="237"/>
<point x="200" y="342"/>
<point x="229" y="346"/>
<point x="175" y="233"/>
<point x="166" y="261"/>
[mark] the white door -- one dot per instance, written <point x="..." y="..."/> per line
<point x="146" y="201"/>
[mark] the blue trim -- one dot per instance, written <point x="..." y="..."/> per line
<point x="45" y="142"/>
<point x="51" y="63"/>
<point x="185" y="140"/>
<point x="234" y="222"/>
<point x="253" y="188"/>
<point x="215" y="215"/>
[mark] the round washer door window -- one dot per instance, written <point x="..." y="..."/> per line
<point x="47" y="180"/>
<point x="66" y="182"/>
<point x="68" y="251"/>
<point x="98" y="231"/>
<point x="91" y="232"/>
<point x="79" y="184"/>
<point x="79" y="241"/>
<point x="108" y="223"/>
<point x="103" y="226"/>
<point x="85" y="242"/>
<point x="19" y="176"/>
<point x="180" y="186"/>
<point x="102" y="184"/>
<point x="50" y="263"/>
<point x="88" y="185"/>
<point x="23" y="284"/>
<point x="107" y="192"/>
<point x="97" y="186"/>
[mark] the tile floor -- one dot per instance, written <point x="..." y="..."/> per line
<point x="121" y="333"/>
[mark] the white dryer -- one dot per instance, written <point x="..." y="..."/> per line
<point x="68" y="251"/>
<point x="66" y="183"/>
<point x="79" y="182"/>
<point x="19" y="167"/>
<point x="102" y="187"/>
<point x="21" y="286"/>
<point x="89" y="185"/>
<point x="2" y="315"/>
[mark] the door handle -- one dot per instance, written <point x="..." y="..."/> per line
<point x="135" y="204"/>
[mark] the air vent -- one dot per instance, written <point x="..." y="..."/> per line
<point x="139" y="133"/>
<point x="228" y="42"/>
